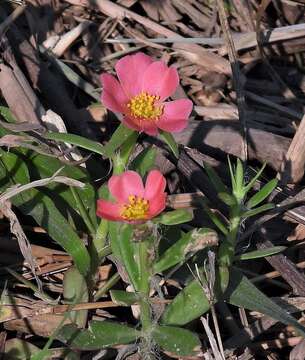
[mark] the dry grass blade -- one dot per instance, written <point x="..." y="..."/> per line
<point x="294" y="163"/>
<point x="237" y="76"/>
<point x="11" y="18"/>
<point x="23" y="241"/>
<point x="16" y="90"/>
<point x="17" y="189"/>
<point x="191" y="51"/>
<point x="217" y="354"/>
<point x="66" y="40"/>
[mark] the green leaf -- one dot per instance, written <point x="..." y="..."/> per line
<point x="260" y="253"/>
<point x="44" y="166"/>
<point x="114" y="238"/>
<point x="76" y="291"/>
<point x="174" y="217"/>
<point x="216" y="220"/>
<point x="176" y="340"/>
<point x="145" y="161"/>
<point x="227" y="198"/>
<point x="120" y="136"/>
<point x="232" y="176"/>
<point x="215" y="179"/>
<point x="99" y="335"/>
<point x="239" y="176"/>
<point x="121" y="157"/>
<point x="7" y="114"/>
<point x="261" y="195"/>
<point x="36" y="204"/>
<point x="78" y="141"/>
<point x="252" y="182"/>
<point x="191" y="242"/>
<point x="188" y="305"/>
<point x="243" y="293"/>
<point x="124" y="248"/>
<point x="123" y="298"/>
<point x="258" y="210"/>
<point x="170" y="141"/>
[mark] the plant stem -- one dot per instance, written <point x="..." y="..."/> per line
<point x="100" y="238"/>
<point x="120" y="159"/>
<point x="144" y="285"/>
<point x="83" y="212"/>
<point x="111" y="282"/>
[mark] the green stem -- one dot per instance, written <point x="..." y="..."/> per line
<point x="83" y="212"/>
<point x="109" y="284"/>
<point x="99" y="239"/>
<point x="120" y="159"/>
<point x="227" y="248"/>
<point x="144" y="286"/>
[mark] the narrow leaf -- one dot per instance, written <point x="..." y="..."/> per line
<point x="243" y="293"/>
<point x="191" y="242"/>
<point x="127" y="252"/>
<point x="38" y="205"/>
<point x="114" y="239"/>
<point x="174" y="217"/>
<point x="121" y="157"/>
<point x="260" y="253"/>
<point x="120" y="136"/>
<point x="258" y="210"/>
<point x="170" y="141"/>
<point x="262" y="194"/>
<point x="215" y="179"/>
<point x="76" y="290"/>
<point x="78" y="141"/>
<point x="227" y="198"/>
<point x="7" y="114"/>
<point x="239" y="176"/>
<point x="188" y="305"/>
<point x="145" y="161"/>
<point x="177" y="340"/>
<point x="251" y="183"/>
<point x="99" y="335"/>
<point x="123" y="298"/>
<point x="44" y="166"/>
<point x="216" y="220"/>
<point x="232" y="176"/>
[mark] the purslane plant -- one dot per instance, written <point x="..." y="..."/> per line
<point x="135" y="222"/>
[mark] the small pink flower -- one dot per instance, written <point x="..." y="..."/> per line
<point x="139" y="95"/>
<point x="134" y="203"/>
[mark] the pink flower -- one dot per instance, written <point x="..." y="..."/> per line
<point x="139" y="95"/>
<point x="134" y="203"/>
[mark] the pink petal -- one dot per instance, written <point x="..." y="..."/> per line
<point x="130" y="70"/>
<point x="160" y="80"/>
<point x="113" y="95"/>
<point x="128" y="183"/>
<point x="155" y="184"/>
<point x="149" y="127"/>
<point x="175" y="115"/>
<point x="131" y="123"/>
<point x="142" y="125"/>
<point x="157" y="205"/>
<point x="108" y="210"/>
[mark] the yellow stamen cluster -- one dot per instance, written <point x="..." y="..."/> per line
<point x="137" y="209"/>
<point x="143" y="106"/>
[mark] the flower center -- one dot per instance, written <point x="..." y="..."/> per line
<point x="143" y="106"/>
<point x="137" y="209"/>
